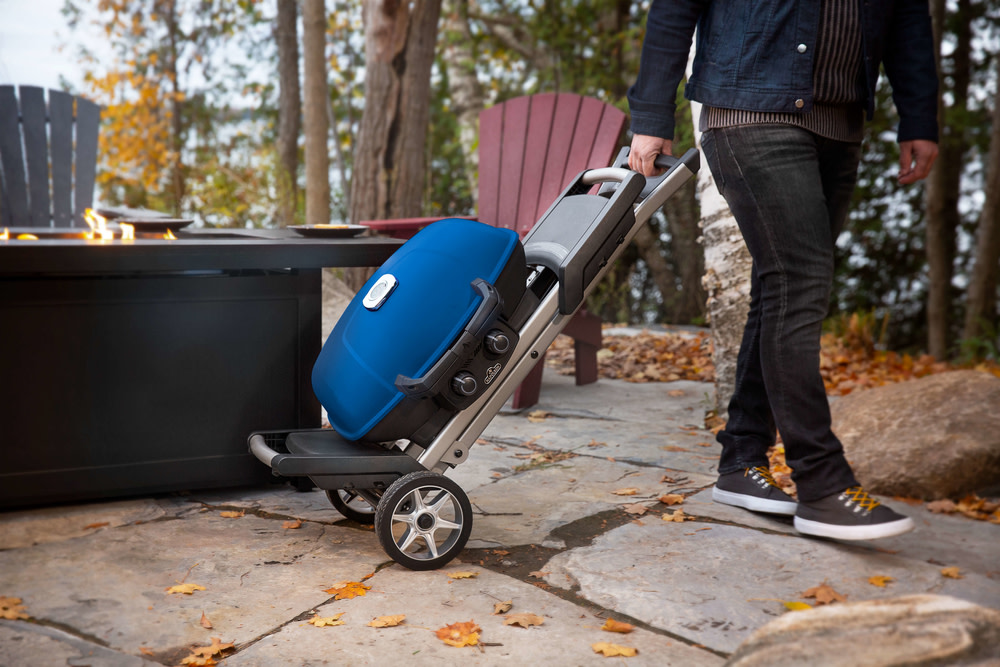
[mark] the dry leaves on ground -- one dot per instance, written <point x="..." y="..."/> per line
<point x="614" y="650"/>
<point x="880" y="580"/>
<point x="292" y="525"/>
<point x="972" y="506"/>
<point x="346" y="590"/>
<point x="463" y="575"/>
<point x="204" y="622"/>
<point x="824" y="594"/>
<point x="797" y="606"/>
<point x="611" y="625"/>
<point x="630" y="491"/>
<point x="523" y="620"/>
<point x="387" y="621"/>
<point x="678" y="516"/>
<point x="460" y="634"/>
<point x="12" y="609"/>
<point x="205" y="655"/>
<point x="637" y="509"/>
<point x="185" y="589"/>
<point x="645" y="357"/>
<point x="502" y="607"/>
<point x="230" y="514"/>
<point x="326" y="621"/>
<point x="952" y="573"/>
<point x="672" y="499"/>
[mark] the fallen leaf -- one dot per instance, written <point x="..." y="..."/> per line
<point x="145" y="650"/>
<point x="952" y="573"/>
<point x="673" y="448"/>
<point x="205" y="623"/>
<point x="635" y="508"/>
<point x="594" y="443"/>
<point x="675" y="392"/>
<point x="346" y="590"/>
<point x="678" y="516"/>
<point x="824" y="594"/>
<point x="611" y="625"/>
<point x="292" y="525"/>
<point x="538" y="416"/>
<point x="206" y="652"/>
<point x="672" y="499"/>
<point x="704" y="444"/>
<point x="797" y="606"/>
<point x="102" y="524"/>
<point x="463" y="575"/>
<point x="612" y="650"/>
<point x="232" y="515"/>
<point x="538" y="574"/>
<point x="387" y="621"/>
<point x="502" y="607"/>
<point x="324" y="621"/>
<point x="460" y="634"/>
<point x="186" y="589"/>
<point x="630" y="491"/>
<point x="880" y="580"/>
<point x="12" y="609"/>
<point x="524" y="620"/>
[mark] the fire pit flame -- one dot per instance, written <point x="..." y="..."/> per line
<point x="98" y="226"/>
<point x="128" y="231"/>
<point x="6" y="235"/>
<point x="170" y="236"/>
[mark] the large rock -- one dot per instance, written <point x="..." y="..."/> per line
<point x="936" y="437"/>
<point x="917" y="631"/>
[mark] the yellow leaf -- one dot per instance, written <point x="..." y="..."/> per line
<point x="952" y="573"/>
<point x="460" y="634"/>
<point x="524" y="620"/>
<point x="611" y="625"/>
<point x="346" y="590"/>
<point x="232" y="515"/>
<point x="324" y="621"/>
<point x="630" y="491"/>
<point x="797" y="606"/>
<point x="186" y="589"/>
<point x="502" y="607"/>
<point x="679" y="516"/>
<point x="292" y="525"/>
<point x="203" y="654"/>
<point x="672" y="499"/>
<point x="387" y="621"/>
<point x="880" y="580"/>
<point x="463" y="575"/>
<point x="612" y="650"/>
<point x="12" y="609"/>
<point x="205" y="623"/>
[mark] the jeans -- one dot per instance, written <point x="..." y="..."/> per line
<point x="789" y="190"/>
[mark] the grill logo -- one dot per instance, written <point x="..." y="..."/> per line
<point x="492" y="373"/>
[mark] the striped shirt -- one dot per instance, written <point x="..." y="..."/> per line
<point x="837" y="87"/>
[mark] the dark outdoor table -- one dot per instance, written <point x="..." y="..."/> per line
<point x="200" y="249"/>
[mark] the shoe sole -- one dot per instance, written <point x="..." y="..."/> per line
<point x="867" y="532"/>
<point x="753" y="503"/>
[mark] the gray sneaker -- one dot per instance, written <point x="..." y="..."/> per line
<point x="850" y="515"/>
<point x="753" y="489"/>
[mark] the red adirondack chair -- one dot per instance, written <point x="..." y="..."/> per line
<point x="530" y="148"/>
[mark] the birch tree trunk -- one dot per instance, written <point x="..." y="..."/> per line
<point x="467" y="97"/>
<point x="727" y="277"/>
<point x="289" y="108"/>
<point x="982" y="295"/>
<point x="317" y="128"/>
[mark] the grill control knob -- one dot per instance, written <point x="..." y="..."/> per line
<point x="497" y="342"/>
<point x="464" y="384"/>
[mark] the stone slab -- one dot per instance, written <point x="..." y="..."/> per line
<point x="430" y="600"/>
<point x="715" y="584"/>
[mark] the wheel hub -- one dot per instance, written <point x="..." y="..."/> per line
<point x="425" y="521"/>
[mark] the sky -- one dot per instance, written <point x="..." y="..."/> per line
<point x="29" y="45"/>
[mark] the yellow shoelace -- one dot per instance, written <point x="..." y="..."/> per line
<point x="765" y="473"/>
<point x="858" y="496"/>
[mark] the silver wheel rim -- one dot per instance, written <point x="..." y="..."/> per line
<point x="427" y="522"/>
<point x="355" y="502"/>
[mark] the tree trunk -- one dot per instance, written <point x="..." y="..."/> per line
<point x="682" y="219"/>
<point x="982" y="298"/>
<point x="726" y="280"/>
<point x="467" y="97"/>
<point x="289" y="108"/>
<point x="389" y="158"/>
<point x="176" y="111"/>
<point x="317" y="128"/>
<point x="943" y="186"/>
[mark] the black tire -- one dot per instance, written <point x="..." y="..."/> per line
<point x="423" y="520"/>
<point x="352" y="506"/>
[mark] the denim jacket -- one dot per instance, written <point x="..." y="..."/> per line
<point x="757" y="55"/>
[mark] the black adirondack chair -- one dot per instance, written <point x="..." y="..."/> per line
<point x="48" y="157"/>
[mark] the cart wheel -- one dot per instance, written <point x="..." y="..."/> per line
<point x="351" y="505"/>
<point x="423" y="520"/>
